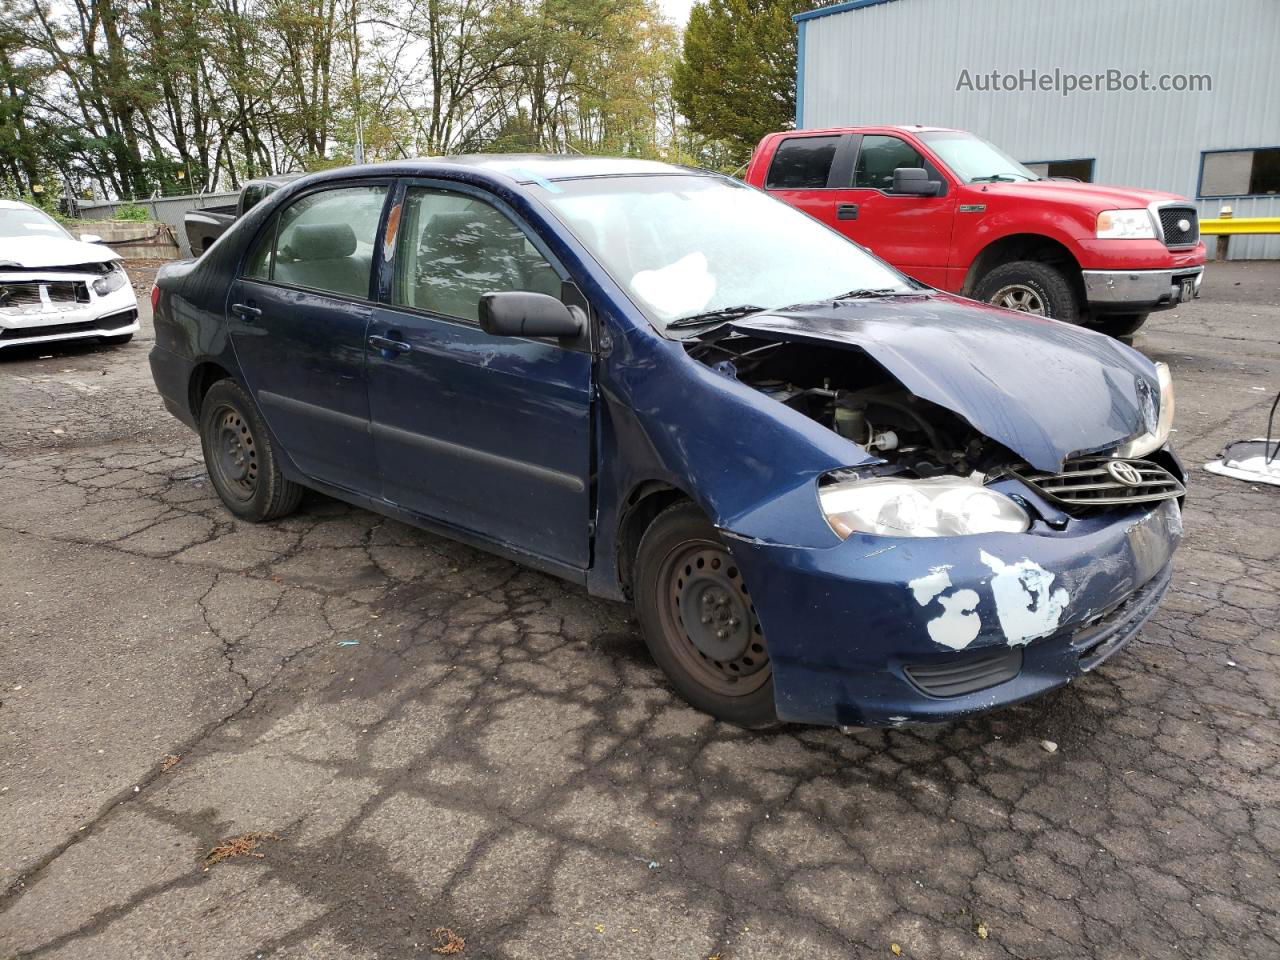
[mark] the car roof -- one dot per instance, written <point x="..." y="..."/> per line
<point x="855" y="127"/>
<point x="522" y="168"/>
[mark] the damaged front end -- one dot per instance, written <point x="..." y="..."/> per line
<point x="1007" y="522"/>
<point x="42" y="304"/>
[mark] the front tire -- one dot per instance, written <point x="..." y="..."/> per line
<point x="1029" y="286"/>
<point x="239" y="457"/>
<point x="117" y="340"/>
<point x="699" y="620"/>
<point x="1122" y="326"/>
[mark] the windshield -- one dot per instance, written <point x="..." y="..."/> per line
<point x="972" y="158"/>
<point x="683" y="246"/>
<point x="27" y="222"/>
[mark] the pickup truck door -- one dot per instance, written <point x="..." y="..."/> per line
<point x="912" y="233"/>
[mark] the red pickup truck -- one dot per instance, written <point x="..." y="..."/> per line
<point x="953" y="211"/>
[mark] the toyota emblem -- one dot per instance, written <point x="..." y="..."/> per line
<point x="1124" y="473"/>
<point x="1184" y="225"/>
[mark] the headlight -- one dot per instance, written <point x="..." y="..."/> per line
<point x="1125" y="225"/>
<point x="937" y="507"/>
<point x="1149" y="442"/>
<point x="110" y="282"/>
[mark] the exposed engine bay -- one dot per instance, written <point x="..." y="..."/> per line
<point x="854" y="396"/>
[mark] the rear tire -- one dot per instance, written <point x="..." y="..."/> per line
<point x="699" y="621"/>
<point x="1122" y="326"/>
<point x="239" y="457"/>
<point x="1029" y="286"/>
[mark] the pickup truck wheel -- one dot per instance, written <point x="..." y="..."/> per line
<point x="239" y="457"/>
<point x="1119" y="325"/>
<point x="1030" y="287"/>
<point x="699" y="620"/>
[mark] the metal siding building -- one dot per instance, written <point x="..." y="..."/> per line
<point x="901" y="62"/>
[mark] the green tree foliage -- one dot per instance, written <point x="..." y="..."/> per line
<point x="129" y="97"/>
<point x="736" y="80"/>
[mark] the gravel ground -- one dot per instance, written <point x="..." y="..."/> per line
<point x="418" y="738"/>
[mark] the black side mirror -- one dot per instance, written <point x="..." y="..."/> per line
<point x="519" y="313"/>
<point x="915" y="182"/>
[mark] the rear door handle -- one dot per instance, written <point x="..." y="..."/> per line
<point x="846" y="211"/>
<point x="388" y="345"/>
<point x="246" y="311"/>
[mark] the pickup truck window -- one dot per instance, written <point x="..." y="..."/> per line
<point x="878" y="157"/>
<point x="802" y="163"/>
<point x="973" y="159"/>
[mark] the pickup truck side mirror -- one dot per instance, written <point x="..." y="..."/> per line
<point x="520" y="313"/>
<point x="915" y="182"/>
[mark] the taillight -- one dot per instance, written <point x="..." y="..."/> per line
<point x="155" y="297"/>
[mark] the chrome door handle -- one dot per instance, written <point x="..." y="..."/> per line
<point x="246" y="311"/>
<point x="388" y="345"/>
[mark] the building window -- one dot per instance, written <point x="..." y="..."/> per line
<point x="1081" y="170"/>
<point x="1240" y="173"/>
<point x="802" y="163"/>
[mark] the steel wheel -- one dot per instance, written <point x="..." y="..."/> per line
<point x="235" y="454"/>
<point x="1017" y="296"/>
<point x="708" y="615"/>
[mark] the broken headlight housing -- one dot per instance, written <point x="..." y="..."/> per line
<point x="933" y="507"/>
<point x="1150" y="442"/>
<point x="111" y="281"/>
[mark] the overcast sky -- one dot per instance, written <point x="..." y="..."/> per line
<point x="677" y="10"/>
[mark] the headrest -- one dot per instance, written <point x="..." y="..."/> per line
<point x="320" y="241"/>
<point x="480" y="231"/>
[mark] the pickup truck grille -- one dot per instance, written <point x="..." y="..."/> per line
<point x="1171" y="225"/>
<point x="1104" y="482"/>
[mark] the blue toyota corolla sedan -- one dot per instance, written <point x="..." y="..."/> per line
<point x="834" y="495"/>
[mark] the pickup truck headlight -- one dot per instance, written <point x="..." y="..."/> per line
<point x="936" y="507"/>
<point x="1125" y="225"/>
<point x="110" y="281"/>
<point x="1149" y="442"/>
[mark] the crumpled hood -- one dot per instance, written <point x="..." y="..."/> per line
<point x="1046" y="390"/>
<point x="34" y="252"/>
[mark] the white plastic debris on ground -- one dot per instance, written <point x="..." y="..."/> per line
<point x="1247" y="460"/>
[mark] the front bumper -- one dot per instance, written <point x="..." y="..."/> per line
<point x="1141" y="291"/>
<point x="112" y="315"/>
<point x="885" y="631"/>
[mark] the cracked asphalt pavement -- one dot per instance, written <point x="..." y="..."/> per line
<point x="435" y="738"/>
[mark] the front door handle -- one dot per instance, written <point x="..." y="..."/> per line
<point x="846" y="211"/>
<point x="246" y="311"/>
<point x="388" y="345"/>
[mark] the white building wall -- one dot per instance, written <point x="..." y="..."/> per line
<point x="900" y="62"/>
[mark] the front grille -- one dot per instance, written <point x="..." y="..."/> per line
<point x="1104" y="482"/>
<point x="27" y="293"/>
<point x="1175" y="235"/>
<point x="966" y="674"/>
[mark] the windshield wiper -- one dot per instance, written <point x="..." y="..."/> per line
<point x="721" y="315"/>
<point x="994" y="178"/>
<point x="872" y="294"/>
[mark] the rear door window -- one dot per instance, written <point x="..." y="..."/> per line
<point x="878" y="157"/>
<point x="325" y="240"/>
<point x="802" y="163"/>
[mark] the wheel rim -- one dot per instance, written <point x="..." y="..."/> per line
<point x="234" y="453"/>
<point x="1020" y="297"/>
<point x="710" y="620"/>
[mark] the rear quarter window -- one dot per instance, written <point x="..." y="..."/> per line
<point x="802" y="163"/>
